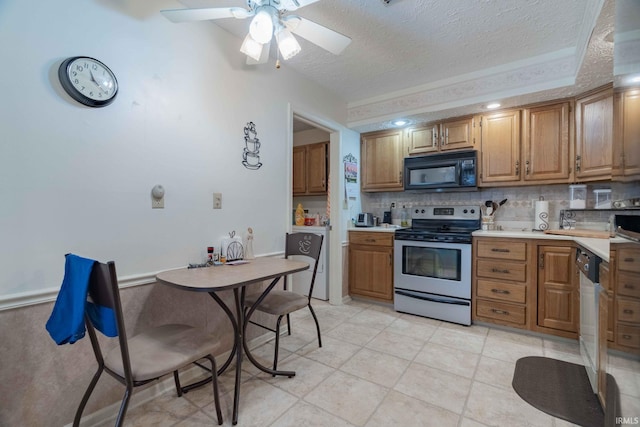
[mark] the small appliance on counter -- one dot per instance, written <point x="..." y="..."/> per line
<point x="365" y="220"/>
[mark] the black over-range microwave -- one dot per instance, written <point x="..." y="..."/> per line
<point x="455" y="171"/>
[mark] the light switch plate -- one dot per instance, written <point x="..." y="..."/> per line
<point x="217" y="200"/>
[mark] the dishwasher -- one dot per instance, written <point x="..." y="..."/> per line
<point x="588" y="266"/>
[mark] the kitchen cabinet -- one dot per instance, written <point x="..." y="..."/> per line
<point x="500" y="148"/>
<point x="627" y="298"/>
<point x="501" y="281"/>
<point x="626" y="146"/>
<point x="453" y="134"/>
<point x="310" y="169"/>
<point x="558" y="289"/>
<point x="594" y="136"/>
<point x="371" y="265"/>
<point x="608" y="298"/>
<point x="382" y="155"/>
<point x="540" y="155"/>
<point x="546" y="144"/>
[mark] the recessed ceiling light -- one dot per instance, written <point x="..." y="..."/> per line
<point x="493" y="105"/>
<point x="400" y="122"/>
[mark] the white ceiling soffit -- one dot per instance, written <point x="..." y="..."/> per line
<point x="432" y="59"/>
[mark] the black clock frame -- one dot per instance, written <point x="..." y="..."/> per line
<point x="63" y="76"/>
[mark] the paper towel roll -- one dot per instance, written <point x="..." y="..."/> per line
<point x="542" y="215"/>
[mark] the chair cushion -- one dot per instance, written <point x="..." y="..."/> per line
<point x="162" y="350"/>
<point x="278" y="302"/>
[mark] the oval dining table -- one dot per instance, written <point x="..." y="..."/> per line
<point x="235" y="277"/>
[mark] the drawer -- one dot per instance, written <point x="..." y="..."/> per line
<point x="628" y="284"/>
<point x="501" y="290"/>
<point x="371" y="238"/>
<point x="628" y="310"/>
<point x="627" y="335"/>
<point x="506" y="270"/>
<point x="629" y="260"/>
<point x="506" y="312"/>
<point x="491" y="248"/>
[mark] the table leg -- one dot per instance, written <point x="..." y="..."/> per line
<point x="240" y="337"/>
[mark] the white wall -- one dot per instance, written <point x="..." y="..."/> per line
<point x="78" y="179"/>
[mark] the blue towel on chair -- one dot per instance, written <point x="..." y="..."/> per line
<point x="66" y="323"/>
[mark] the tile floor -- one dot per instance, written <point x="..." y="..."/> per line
<point x="379" y="368"/>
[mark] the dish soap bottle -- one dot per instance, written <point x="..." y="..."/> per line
<point x="404" y="217"/>
<point x="299" y="215"/>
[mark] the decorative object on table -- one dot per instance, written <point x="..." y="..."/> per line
<point x="231" y="248"/>
<point x="269" y="19"/>
<point x="210" y="255"/>
<point x="88" y="81"/>
<point x="299" y="214"/>
<point x="250" y="154"/>
<point x="248" y="244"/>
<point x="541" y="214"/>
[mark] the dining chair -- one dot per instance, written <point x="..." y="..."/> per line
<point x="283" y="302"/>
<point x="146" y="356"/>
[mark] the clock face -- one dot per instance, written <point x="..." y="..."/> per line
<point x="88" y="81"/>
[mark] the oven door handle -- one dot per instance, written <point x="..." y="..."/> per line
<point x="432" y="299"/>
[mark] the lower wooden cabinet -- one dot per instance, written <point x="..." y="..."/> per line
<point x="371" y="265"/>
<point x="558" y="289"/>
<point x="627" y="298"/>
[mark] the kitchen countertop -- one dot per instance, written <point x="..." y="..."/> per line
<point x="600" y="247"/>
<point x="378" y="229"/>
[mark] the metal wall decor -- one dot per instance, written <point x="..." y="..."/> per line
<point x="250" y="154"/>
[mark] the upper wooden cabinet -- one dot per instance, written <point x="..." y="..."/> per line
<point x="626" y="147"/>
<point x="382" y="155"/>
<point x="546" y="145"/>
<point x="448" y="135"/>
<point x="594" y="136"/>
<point x="500" y="148"/>
<point x="310" y="169"/>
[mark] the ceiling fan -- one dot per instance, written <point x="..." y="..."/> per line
<point x="270" y="18"/>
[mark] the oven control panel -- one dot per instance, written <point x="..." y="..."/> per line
<point x="446" y="212"/>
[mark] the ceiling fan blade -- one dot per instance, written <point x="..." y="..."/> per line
<point x="295" y="4"/>
<point x="317" y="34"/>
<point x="264" y="56"/>
<point x="205" y="14"/>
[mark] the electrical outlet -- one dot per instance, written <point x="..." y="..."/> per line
<point x="157" y="203"/>
<point x="217" y="200"/>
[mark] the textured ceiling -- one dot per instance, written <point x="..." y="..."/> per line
<point x="428" y="59"/>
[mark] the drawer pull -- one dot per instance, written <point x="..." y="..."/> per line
<point x="627" y="311"/>
<point x="500" y="250"/>
<point x="500" y="291"/>
<point x="628" y="286"/>
<point x="497" y="270"/>
<point x="370" y="240"/>
<point x="629" y="260"/>
<point x="496" y="311"/>
<point x="626" y="337"/>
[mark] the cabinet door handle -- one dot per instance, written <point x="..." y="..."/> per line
<point x="527" y="168"/>
<point x="500" y="291"/>
<point x="496" y="311"/>
<point x="541" y="261"/>
<point x="578" y="159"/>
<point x="500" y="250"/>
<point x="434" y="137"/>
<point x="497" y="270"/>
<point x="446" y="136"/>
<point x="517" y="167"/>
<point x="627" y="311"/>
<point x="626" y="337"/>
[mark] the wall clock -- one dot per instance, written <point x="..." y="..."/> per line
<point x="88" y="81"/>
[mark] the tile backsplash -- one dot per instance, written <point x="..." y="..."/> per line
<point x="517" y="212"/>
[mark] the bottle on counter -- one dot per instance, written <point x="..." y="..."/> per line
<point x="404" y="217"/>
<point x="299" y="215"/>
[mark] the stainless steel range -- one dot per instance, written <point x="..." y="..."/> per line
<point x="432" y="263"/>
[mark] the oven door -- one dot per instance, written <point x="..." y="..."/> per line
<point x="433" y="267"/>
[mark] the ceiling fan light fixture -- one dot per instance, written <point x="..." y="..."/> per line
<point x="261" y="27"/>
<point x="251" y="48"/>
<point x="287" y="43"/>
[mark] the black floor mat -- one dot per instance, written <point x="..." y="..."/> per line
<point x="559" y="388"/>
